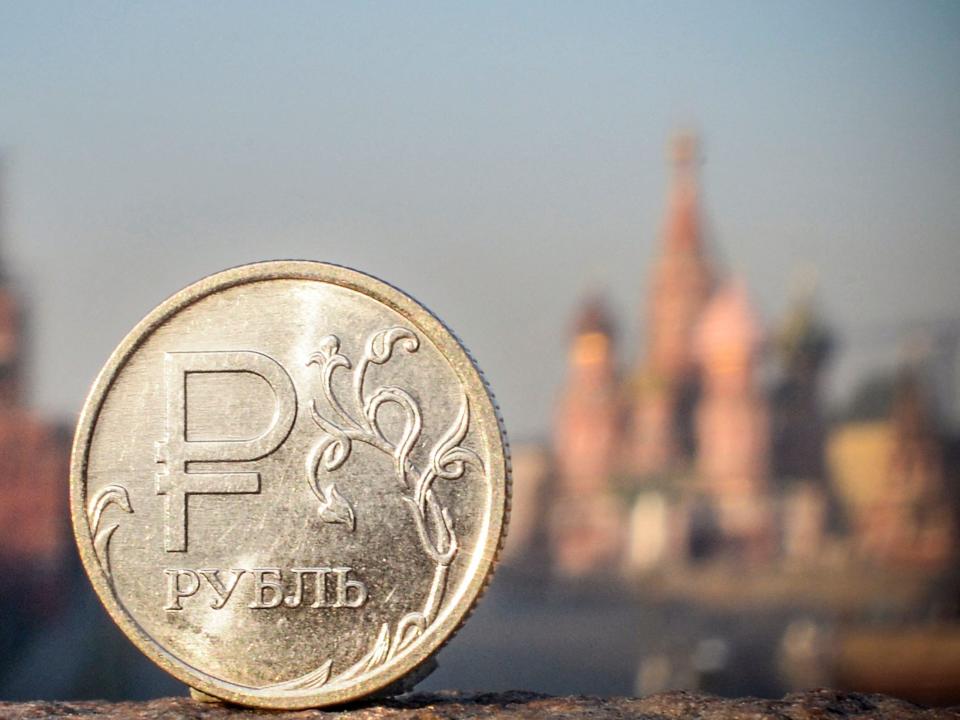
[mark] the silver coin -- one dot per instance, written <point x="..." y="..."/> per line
<point x="289" y="485"/>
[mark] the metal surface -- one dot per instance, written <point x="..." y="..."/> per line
<point x="289" y="485"/>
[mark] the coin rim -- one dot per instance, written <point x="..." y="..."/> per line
<point x="461" y="361"/>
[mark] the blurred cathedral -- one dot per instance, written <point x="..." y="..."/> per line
<point x="691" y="454"/>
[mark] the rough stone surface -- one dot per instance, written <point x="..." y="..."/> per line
<point x="814" y="704"/>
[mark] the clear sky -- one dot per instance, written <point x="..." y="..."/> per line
<point x="493" y="159"/>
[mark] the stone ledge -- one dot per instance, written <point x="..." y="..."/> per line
<point x="813" y="704"/>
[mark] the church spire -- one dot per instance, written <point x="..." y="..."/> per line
<point x="681" y="283"/>
<point x="682" y="276"/>
<point x="682" y="231"/>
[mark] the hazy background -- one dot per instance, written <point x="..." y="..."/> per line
<point x="492" y="159"/>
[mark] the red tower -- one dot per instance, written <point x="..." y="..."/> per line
<point x="33" y="479"/>
<point x="666" y="382"/>
<point x="10" y="352"/>
<point x="11" y="332"/>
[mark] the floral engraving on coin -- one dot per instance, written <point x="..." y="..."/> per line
<point x="98" y="504"/>
<point x="357" y="420"/>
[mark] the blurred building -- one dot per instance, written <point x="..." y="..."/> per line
<point x="34" y="536"/>
<point x="888" y="459"/>
<point x="733" y="425"/>
<point x="664" y="385"/>
<point x="671" y="459"/>
<point x="798" y="434"/>
<point x="586" y="515"/>
<point x="694" y="452"/>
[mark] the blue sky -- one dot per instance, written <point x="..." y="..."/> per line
<point x="493" y="159"/>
